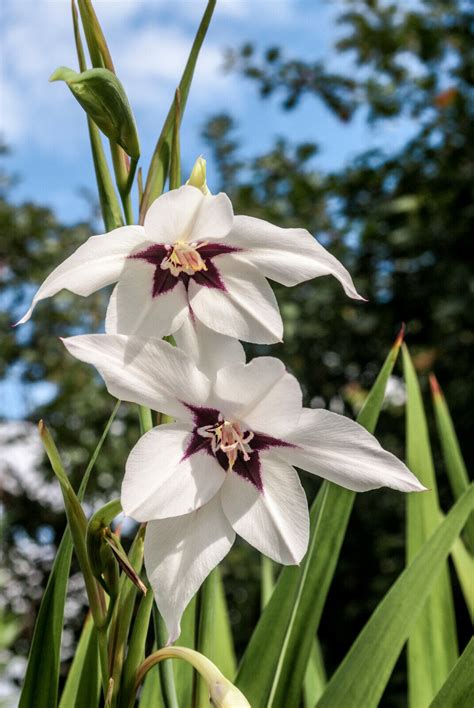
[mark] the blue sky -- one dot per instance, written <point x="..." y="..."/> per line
<point x="149" y="41"/>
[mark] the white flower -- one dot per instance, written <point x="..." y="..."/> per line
<point x="193" y="255"/>
<point x="226" y="465"/>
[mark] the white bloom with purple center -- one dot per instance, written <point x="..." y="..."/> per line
<point x="193" y="254"/>
<point x="226" y="465"/>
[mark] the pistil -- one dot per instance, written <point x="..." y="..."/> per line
<point x="228" y="437"/>
<point x="184" y="258"/>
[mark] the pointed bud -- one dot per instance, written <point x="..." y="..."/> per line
<point x="103" y="98"/>
<point x="222" y="692"/>
<point x="197" y="178"/>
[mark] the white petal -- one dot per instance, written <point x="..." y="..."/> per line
<point x="247" y="310"/>
<point x="275" y="521"/>
<point x="338" y="449"/>
<point x="95" y="264"/>
<point x="179" y="555"/>
<point x="209" y="351"/>
<point x="214" y="219"/>
<point x="262" y="394"/>
<point x="159" y="483"/>
<point x="289" y="256"/>
<point x="150" y="372"/>
<point x="185" y="214"/>
<point x="133" y="310"/>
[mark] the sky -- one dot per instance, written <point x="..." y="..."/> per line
<point x="149" y="40"/>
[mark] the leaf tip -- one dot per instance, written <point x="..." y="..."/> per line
<point x="435" y="387"/>
<point x="400" y="336"/>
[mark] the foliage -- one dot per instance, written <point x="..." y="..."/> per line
<point x="390" y="219"/>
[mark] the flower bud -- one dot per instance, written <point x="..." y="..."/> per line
<point x="197" y="178"/>
<point x="222" y="692"/>
<point x="103" y="98"/>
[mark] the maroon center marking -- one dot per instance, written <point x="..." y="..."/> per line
<point x="250" y="469"/>
<point x="164" y="281"/>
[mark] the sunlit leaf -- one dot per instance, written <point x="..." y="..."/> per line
<point x="432" y="646"/>
<point x="360" y="680"/>
<point x="458" y="690"/>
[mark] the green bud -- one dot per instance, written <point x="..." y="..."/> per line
<point x="103" y="98"/>
<point x="197" y="178"/>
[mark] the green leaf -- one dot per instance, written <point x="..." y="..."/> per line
<point x="82" y="687"/>
<point x="159" y="166"/>
<point x="458" y="690"/>
<point x="464" y="566"/>
<point x="315" y="677"/>
<point x="292" y="615"/>
<point x="184" y="674"/>
<point x="109" y="205"/>
<point x="432" y="646"/>
<point x="95" y="39"/>
<point x="453" y="459"/>
<point x="360" y="680"/>
<point x="40" y="687"/>
<point x="151" y="695"/>
<point x="225" y="652"/>
<point x="123" y="611"/>
<point x="103" y="98"/>
<point x="136" y="647"/>
<point x="207" y="632"/>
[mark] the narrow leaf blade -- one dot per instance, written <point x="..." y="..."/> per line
<point x="432" y="646"/>
<point x="458" y="690"/>
<point x="360" y="680"/>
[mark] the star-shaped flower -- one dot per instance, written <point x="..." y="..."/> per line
<point x="227" y="465"/>
<point x="193" y="254"/>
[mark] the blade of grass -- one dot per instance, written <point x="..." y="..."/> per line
<point x="432" y="646"/>
<point x="361" y="678"/>
<point x="453" y="459"/>
<point x="292" y="615"/>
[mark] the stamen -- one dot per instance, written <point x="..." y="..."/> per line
<point x="229" y="438"/>
<point x="184" y="258"/>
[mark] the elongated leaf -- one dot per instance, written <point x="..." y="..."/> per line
<point x="184" y="675"/>
<point x="225" y="652"/>
<point x="159" y="166"/>
<point x="281" y="643"/>
<point x="458" y="690"/>
<point x="464" y="566"/>
<point x="136" y="647"/>
<point x="103" y="98"/>
<point x="109" y="204"/>
<point x="151" y="695"/>
<point x="123" y="611"/>
<point x="40" y="687"/>
<point x="453" y="459"/>
<point x="432" y="646"/>
<point x="207" y="632"/>
<point x="315" y="677"/>
<point x="360" y="680"/>
<point x="82" y="686"/>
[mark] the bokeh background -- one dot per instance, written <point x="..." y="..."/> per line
<point x="351" y="118"/>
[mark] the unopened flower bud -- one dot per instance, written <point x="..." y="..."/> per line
<point x="197" y="178"/>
